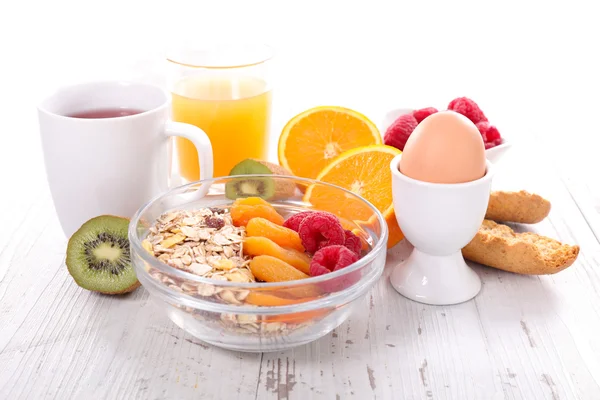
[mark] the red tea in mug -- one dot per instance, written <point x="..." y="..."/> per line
<point x="106" y="113"/>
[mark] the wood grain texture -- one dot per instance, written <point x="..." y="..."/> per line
<point x="521" y="338"/>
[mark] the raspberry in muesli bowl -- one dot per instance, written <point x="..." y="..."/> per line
<point x="259" y="271"/>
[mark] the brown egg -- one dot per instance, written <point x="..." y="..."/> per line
<point x="445" y="147"/>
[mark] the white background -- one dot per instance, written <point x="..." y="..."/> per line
<point x="532" y="66"/>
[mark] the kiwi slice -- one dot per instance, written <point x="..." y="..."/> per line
<point x="98" y="256"/>
<point x="251" y="187"/>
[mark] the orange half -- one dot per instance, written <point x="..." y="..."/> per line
<point x="313" y="138"/>
<point x="364" y="171"/>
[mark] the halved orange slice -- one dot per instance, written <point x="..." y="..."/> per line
<point x="313" y="138"/>
<point x="366" y="172"/>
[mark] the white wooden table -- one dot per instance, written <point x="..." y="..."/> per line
<point x="522" y="337"/>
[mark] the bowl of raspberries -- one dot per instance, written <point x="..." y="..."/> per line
<point x="398" y="125"/>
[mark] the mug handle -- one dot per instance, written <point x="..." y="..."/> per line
<point x="200" y="140"/>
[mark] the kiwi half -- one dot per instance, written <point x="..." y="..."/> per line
<point x="251" y="187"/>
<point x="284" y="188"/>
<point x="98" y="256"/>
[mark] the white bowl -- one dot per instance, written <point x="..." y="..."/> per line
<point x="495" y="154"/>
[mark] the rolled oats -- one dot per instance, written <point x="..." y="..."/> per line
<point x="229" y="297"/>
<point x="203" y="242"/>
<point x="189" y="287"/>
<point x="237" y="276"/>
<point x="242" y="294"/>
<point x="199" y="269"/>
<point x="206" y="290"/>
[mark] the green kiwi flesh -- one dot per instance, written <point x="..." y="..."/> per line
<point x="98" y="256"/>
<point x="251" y="187"/>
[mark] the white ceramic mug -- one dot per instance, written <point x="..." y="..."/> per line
<point x="98" y="166"/>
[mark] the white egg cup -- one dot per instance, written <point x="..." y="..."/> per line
<point x="438" y="220"/>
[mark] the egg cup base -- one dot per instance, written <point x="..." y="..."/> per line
<point x="435" y="280"/>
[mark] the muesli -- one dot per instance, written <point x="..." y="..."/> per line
<point x="209" y="242"/>
<point x="205" y="242"/>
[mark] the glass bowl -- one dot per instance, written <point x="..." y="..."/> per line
<point x="227" y="314"/>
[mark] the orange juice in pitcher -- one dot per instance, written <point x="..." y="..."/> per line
<point x="230" y="101"/>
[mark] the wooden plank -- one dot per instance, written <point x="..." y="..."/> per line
<point x="60" y="341"/>
<point x="585" y="192"/>
<point x="522" y="337"/>
<point x="390" y="346"/>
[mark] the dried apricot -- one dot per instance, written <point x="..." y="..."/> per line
<point x="271" y="269"/>
<point x="271" y="300"/>
<point x="281" y="235"/>
<point x="243" y="210"/>
<point x="251" y="201"/>
<point x="259" y="246"/>
<point x="299" y="317"/>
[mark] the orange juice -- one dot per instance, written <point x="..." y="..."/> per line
<point x="234" y="113"/>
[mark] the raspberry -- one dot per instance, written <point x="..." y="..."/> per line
<point x="423" y="113"/>
<point x="331" y="258"/>
<point x="489" y="133"/>
<point x="399" y="132"/>
<point x="352" y="242"/>
<point x="295" y="220"/>
<point x="319" y="230"/>
<point x="468" y="108"/>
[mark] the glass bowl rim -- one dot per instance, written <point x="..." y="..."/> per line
<point x="136" y="242"/>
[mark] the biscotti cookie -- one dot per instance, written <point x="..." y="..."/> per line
<point x="521" y="207"/>
<point x="500" y="247"/>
